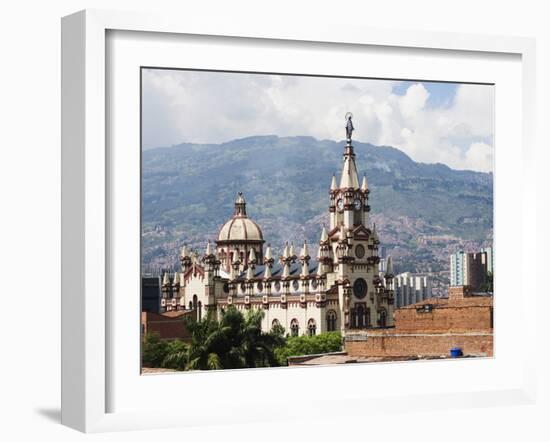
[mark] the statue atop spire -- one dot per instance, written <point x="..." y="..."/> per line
<point x="349" y="178"/>
<point x="349" y="126"/>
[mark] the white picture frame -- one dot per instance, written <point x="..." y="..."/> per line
<point x="87" y="211"/>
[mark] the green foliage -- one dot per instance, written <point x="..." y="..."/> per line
<point x="308" y="345"/>
<point x="153" y="350"/>
<point x="176" y="357"/>
<point x="487" y="286"/>
<point x="235" y="341"/>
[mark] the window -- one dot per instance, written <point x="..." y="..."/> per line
<point x="295" y="285"/>
<point x="331" y="320"/>
<point x="311" y="327"/>
<point x="383" y="318"/>
<point x="277" y="286"/>
<point x="275" y="324"/>
<point x="294" y="328"/>
<point x="359" y="316"/>
<point x="360" y="288"/>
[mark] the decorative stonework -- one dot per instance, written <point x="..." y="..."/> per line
<point x="295" y="286"/>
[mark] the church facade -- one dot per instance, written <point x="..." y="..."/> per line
<point x="338" y="289"/>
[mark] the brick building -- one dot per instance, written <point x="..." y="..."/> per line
<point x="168" y="325"/>
<point x="431" y="328"/>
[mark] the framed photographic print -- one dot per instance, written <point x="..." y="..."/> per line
<point x="294" y="210"/>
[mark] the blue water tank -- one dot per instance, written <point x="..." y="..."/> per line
<point x="456" y="352"/>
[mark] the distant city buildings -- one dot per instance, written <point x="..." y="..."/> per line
<point x="471" y="269"/>
<point x="410" y="289"/>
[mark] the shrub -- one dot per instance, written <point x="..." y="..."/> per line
<point x="308" y="345"/>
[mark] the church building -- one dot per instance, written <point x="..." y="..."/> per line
<point x="339" y="289"/>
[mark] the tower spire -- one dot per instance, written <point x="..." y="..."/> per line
<point x="349" y="177"/>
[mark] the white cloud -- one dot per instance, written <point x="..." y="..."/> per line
<point x="479" y="156"/>
<point x="414" y="100"/>
<point x="186" y="106"/>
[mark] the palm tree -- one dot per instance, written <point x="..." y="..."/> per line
<point x="235" y="341"/>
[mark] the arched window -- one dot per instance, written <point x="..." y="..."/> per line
<point x="195" y="301"/>
<point x="331" y="320"/>
<point x="200" y="310"/>
<point x="383" y="318"/>
<point x="275" y="324"/>
<point x="360" y="315"/>
<point x="294" y="327"/>
<point x="311" y="327"/>
<point x="190" y="305"/>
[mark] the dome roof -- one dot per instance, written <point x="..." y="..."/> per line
<point x="240" y="227"/>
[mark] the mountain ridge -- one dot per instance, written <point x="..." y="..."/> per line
<point x="189" y="189"/>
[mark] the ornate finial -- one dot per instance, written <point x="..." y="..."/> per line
<point x="349" y="126"/>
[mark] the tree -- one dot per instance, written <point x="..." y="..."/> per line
<point x="153" y="350"/>
<point x="236" y="341"/>
<point x="177" y="355"/>
<point x="307" y="345"/>
<point x="487" y="285"/>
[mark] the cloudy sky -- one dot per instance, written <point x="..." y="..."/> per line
<point x="449" y="123"/>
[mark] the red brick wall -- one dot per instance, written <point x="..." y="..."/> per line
<point x="420" y="345"/>
<point x="447" y="319"/>
<point x="165" y="327"/>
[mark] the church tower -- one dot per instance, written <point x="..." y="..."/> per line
<point x="365" y="300"/>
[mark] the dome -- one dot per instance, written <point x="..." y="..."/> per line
<point x="240" y="227"/>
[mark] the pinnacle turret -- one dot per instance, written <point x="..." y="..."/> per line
<point x="324" y="234"/>
<point x="252" y="256"/>
<point x="208" y="248"/>
<point x="389" y="266"/>
<point x="364" y="185"/>
<point x="268" y="257"/>
<point x="304" y="253"/>
<point x="333" y="185"/>
<point x="184" y="251"/>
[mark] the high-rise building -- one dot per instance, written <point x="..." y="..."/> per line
<point x="471" y="268"/>
<point x="488" y="251"/>
<point x="410" y="289"/>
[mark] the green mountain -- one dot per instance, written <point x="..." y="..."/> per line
<point x="188" y="192"/>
